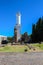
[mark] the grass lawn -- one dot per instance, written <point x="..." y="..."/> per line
<point x="37" y="45"/>
<point x="15" y="48"/>
<point x="21" y="48"/>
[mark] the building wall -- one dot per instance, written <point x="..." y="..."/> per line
<point x="2" y="38"/>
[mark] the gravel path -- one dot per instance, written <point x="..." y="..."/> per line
<point x="32" y="58"/>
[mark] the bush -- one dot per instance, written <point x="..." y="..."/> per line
<point x="25" y="50"/>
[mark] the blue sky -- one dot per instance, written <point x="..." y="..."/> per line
<point x="30" y="10"/>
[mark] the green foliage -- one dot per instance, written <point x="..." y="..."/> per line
<point x="25" y="37"/>
<point x="10" y="39"/>
<point x="37" y="31"/>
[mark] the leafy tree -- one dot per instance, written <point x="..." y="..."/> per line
<point x="9" y="39"/>
<point x="25" y="37"/>
<point x="37" y="31"/>
<point x="33" y="33"/>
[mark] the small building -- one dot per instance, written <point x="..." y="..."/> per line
<point x="2" y="38"/>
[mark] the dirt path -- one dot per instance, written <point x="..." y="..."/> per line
<point x="32" y="58"/>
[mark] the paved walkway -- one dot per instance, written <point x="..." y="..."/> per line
<point x="32" y="58"/>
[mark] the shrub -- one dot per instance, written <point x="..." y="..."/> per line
<point x="25" y="50"/>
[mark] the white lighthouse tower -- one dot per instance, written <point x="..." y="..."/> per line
<point x="18" y="27"/>
<point x="18" y="19"/>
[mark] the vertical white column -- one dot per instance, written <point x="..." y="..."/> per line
<point x="18" y="22"/>
<point x="18" y="18"/>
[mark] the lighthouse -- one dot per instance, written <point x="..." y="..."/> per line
<point x="17" y="29"/>
<point x="18" y="18"/>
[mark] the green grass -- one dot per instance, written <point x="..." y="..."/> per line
<point x="20" y="48"/>
<point x="37" y="45"/>
<point x="15" y="48"/>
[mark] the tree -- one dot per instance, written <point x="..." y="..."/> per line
<point x="33" y="33"/>
<point x="37" y="31"/>
<point x="9" y="39"/>
<point x="25" y="37"/>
